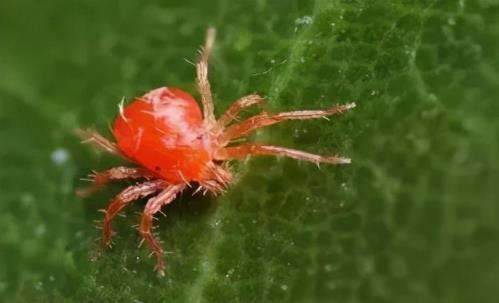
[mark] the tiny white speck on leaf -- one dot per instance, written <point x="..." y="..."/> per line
<point x="40" y="230"/>
<point x="39" y="285"/>
<point x="229" y="273"/>
<point x="215" y="223"/>
<point x="305" y="20"/>
<point x="59" y="156"/>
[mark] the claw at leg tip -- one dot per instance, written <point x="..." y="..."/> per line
<point x="160" y="270"/>
<point x="351" y="105"/>
<point x="344" y="160"/>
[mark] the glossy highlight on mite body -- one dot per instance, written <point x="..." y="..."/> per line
<point x="174" y="145"/>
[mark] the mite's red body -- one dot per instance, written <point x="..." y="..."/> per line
<point x="175" y="145"/>
<point x="163" y="131"/>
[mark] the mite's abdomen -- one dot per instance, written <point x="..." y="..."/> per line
<point x="163" y="131"/>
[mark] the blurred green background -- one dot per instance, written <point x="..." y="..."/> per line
<point x="414" y="218"/>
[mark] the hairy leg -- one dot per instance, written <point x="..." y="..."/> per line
<point x="202" y="77"/>
<point x="124" y="198"/>
<point x="153" y="206"/>
<point x="266" y="119"/>
<point x="99" y="141"/>
<point x="244" y="150"/>
<point x="99" y="179"/>
<point x="235" y="108"/>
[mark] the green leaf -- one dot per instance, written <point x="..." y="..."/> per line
<point x="414" y="218"/>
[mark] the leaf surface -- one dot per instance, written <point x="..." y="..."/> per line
<point x="414" y="218"/>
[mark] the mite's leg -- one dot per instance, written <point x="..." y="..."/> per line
<point x="153" y="206"/>
<point x="124" y="198"/>
<point x="202" y="78"/>
<point x="235" y="108"/>
<point x="266" y="119"/>
<point x="116" y="173"/>
<point x="244" y="150"/>
<point x="99" y="141"/>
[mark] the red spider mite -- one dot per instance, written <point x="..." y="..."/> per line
<point x="176" y="145"/>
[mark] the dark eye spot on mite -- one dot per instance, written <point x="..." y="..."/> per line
<point x="157" y="168"/>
